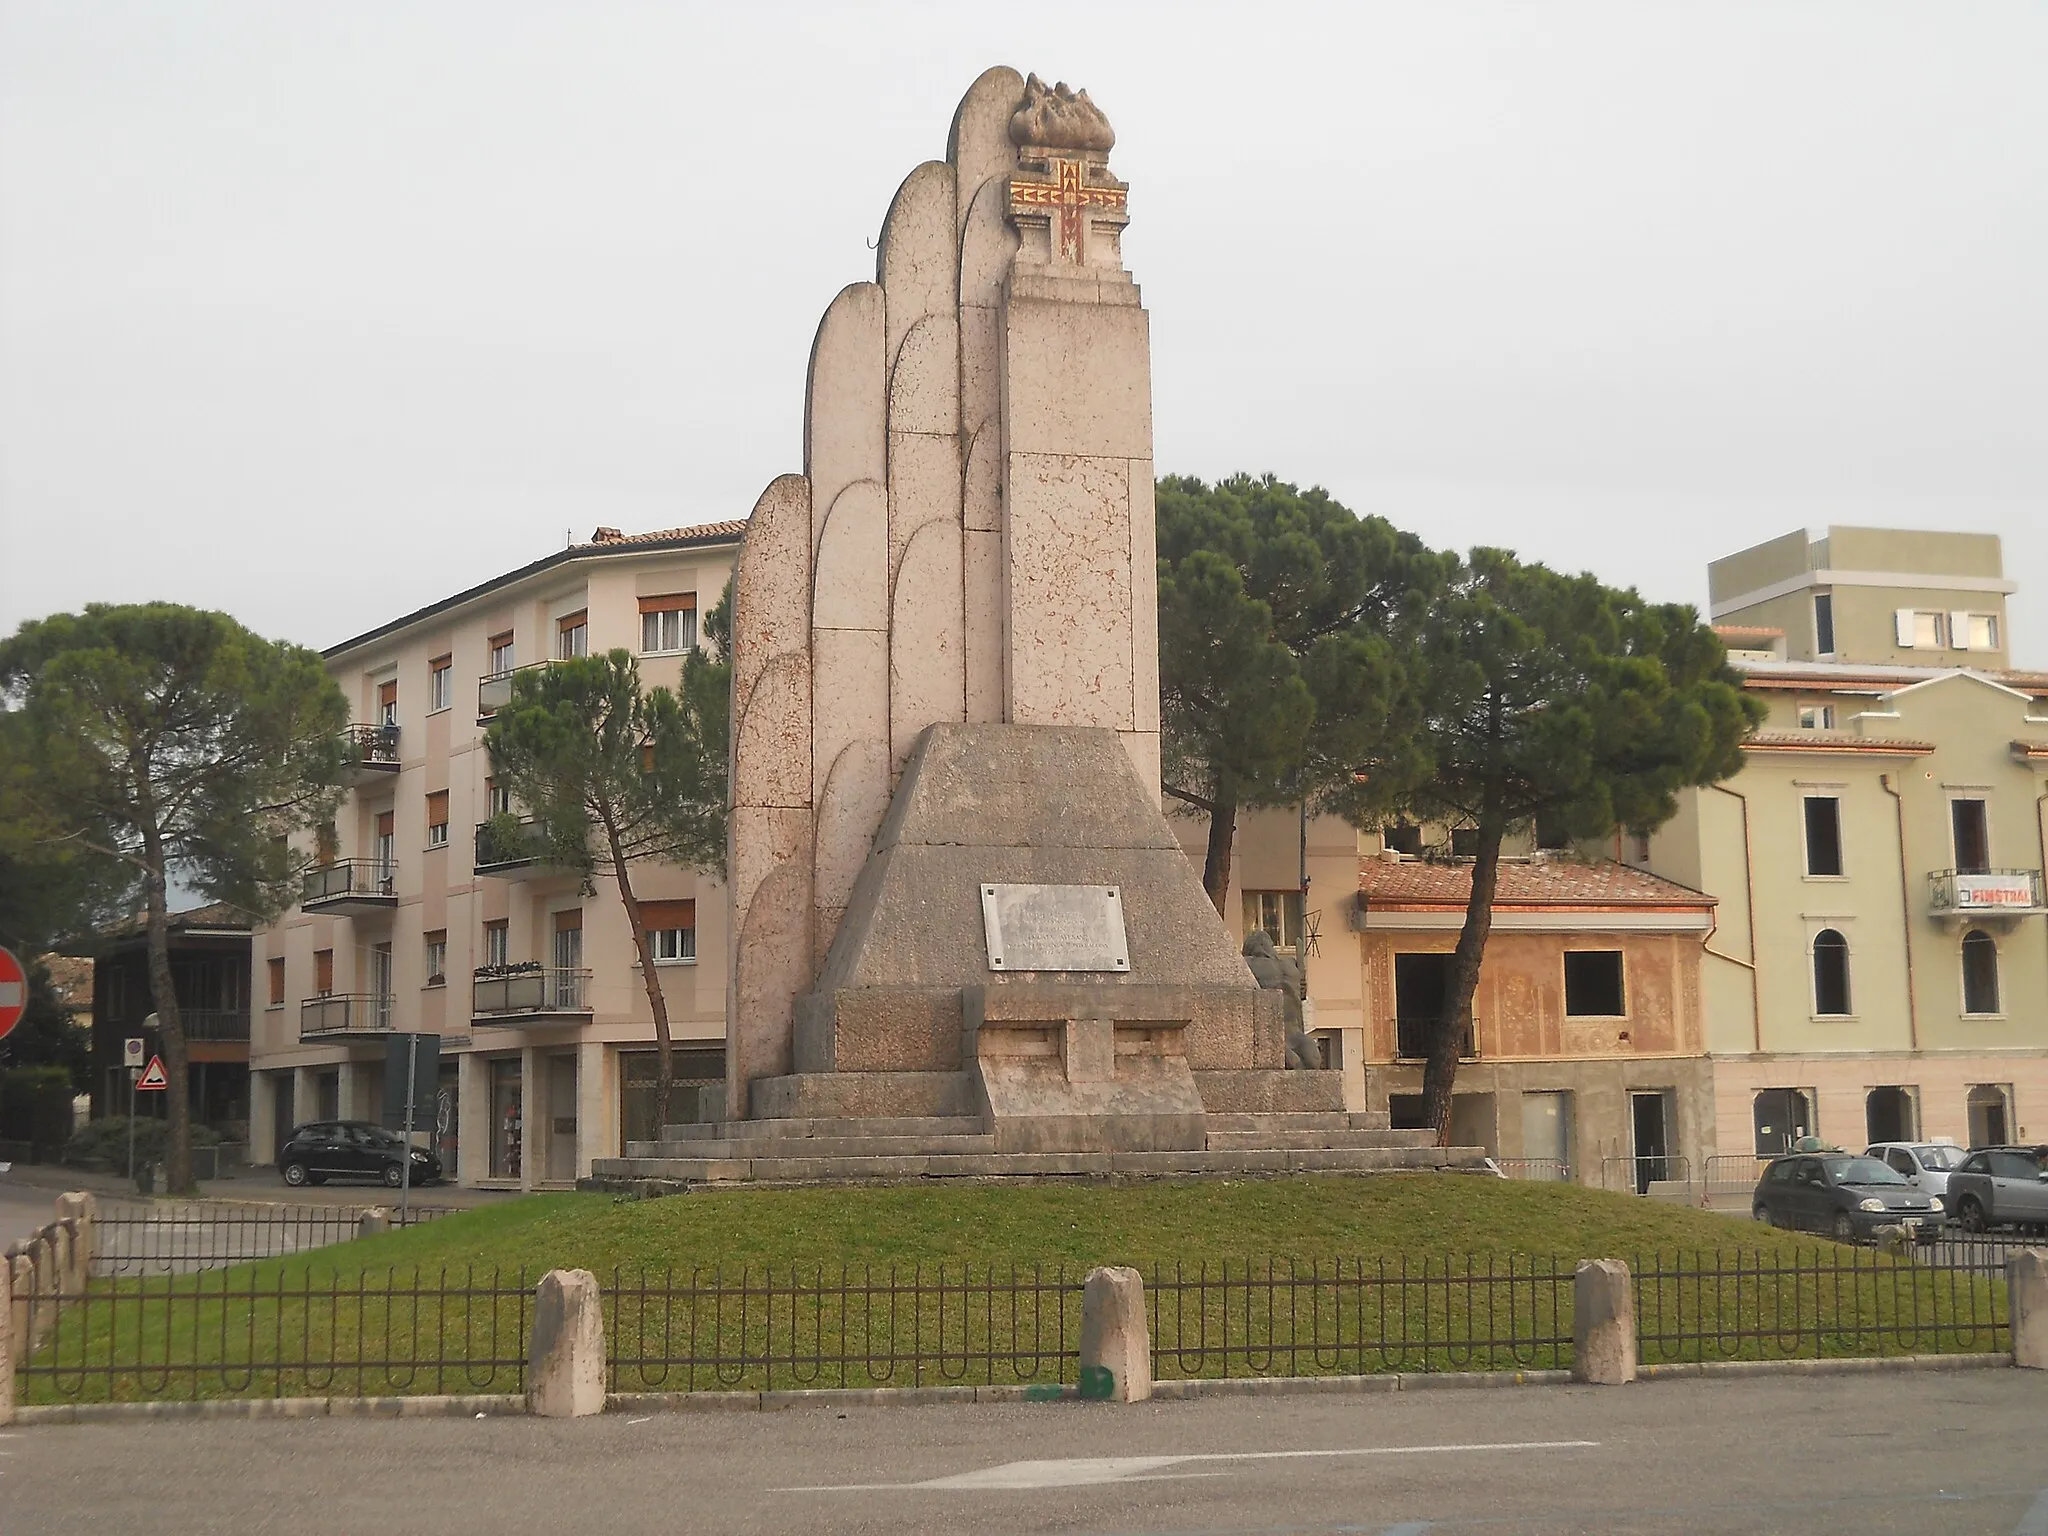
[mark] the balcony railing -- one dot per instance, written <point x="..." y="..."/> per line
<point x="372" y="752"/>
<point x="361" y="885"/>
<point x="224" y="1024"/>
<point x="509" y="847"/>
<point x="342" y="1014"/>
<point x="511" y="994"/>
<point x="493" y="693"/>
<point x="1987" y="893"/>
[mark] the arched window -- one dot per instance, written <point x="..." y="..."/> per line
<point x="1980" y="972"/>
<point x="1830" y="973"/>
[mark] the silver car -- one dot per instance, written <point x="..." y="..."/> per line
<point x="1925" y="1165"/>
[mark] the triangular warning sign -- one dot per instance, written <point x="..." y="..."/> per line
<point x="153" y="1075"/>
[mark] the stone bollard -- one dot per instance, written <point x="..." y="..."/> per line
<point x="2026" y="1301"/>
<point x="6" y="1341"/>
<point x="373" y="1221"/>
<point x="1603" y="1323"/>
<point x="565" y="1366"/>
<point x="57" y="1279"/>
<point x="82" y="1209"/>
<point x="1116" y="1342"/>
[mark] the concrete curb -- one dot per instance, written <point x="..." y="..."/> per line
<point x="932" y="1397"/>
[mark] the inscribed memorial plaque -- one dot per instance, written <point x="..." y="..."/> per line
<point x="1054" y="928"/>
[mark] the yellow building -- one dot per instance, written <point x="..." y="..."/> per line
<point x="419" y="921"/>
<point x="1879" y="969"/>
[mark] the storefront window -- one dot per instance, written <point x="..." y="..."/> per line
<point x="699" y="1093"/>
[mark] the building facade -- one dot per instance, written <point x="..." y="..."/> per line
<point x="1879" y="969"/>
<point x="427" y="915"/>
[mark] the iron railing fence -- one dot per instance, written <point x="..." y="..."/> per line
<point x="261" y="1333"/>
<point x="370" y="745"/>
<point x="1293" y="1317"/>
<point x="812" y="1326"/>
<point x="1827" y="1301"/>
<point x="168" y="1237"/>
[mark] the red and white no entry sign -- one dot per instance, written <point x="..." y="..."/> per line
<point x="13" y="992"/>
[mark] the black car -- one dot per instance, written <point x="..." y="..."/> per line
<point x="1847" y="1196"/>
<point x="351" y="1149"/>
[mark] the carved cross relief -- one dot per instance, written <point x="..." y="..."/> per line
<point x="1068" y="200"/>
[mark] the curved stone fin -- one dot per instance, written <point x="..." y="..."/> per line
<point x="849" y="695"/>
<point x="927" y="638"/>
<point x="988" y="246"/>
<point x="771" y="739"/>
<point x="850" y="589"/>
<point x="851" y="805"/>
<point x="924" y="385"/>
<point x="919" y="252"/>
<point x="771" y="969"/>
<point x="978" y="145"/>
<point x="846" y="398"/>
<point x="771" y="589"/>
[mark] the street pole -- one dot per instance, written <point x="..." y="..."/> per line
<point x="134" y="1075"/>
<point x="412" y="1063"/>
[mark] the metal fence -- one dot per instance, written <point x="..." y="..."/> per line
<point x="1534" y="1170"/>
<point x="1283" y="1317"/>
<point x="854" y="1326"/>
<point x="1635" y="1175"/>
<point x="256" y="1335"/>
<point x="1820" y="1302"/>
<point x="1732" y="1175"/>
<point x="305" y="1330"/>
<point x="184" y="1237"/>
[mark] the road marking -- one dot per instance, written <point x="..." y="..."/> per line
<point x="648" y="1420"/>
<point x="1086" y="1471"/>
<point x="2035" y="1521"/>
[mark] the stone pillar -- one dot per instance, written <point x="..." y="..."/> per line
<point x="2026" y="1291"/>
<point x="1603" y="1323"/>
<point x="597" y="1105"/>
<point x="81" y="1209"/>
<point x="473" y="1119"/>
<point x="1116" y="1342"/>
<point x="565" y="1366"/>
<point x="305" y="1096"/>
<point x="532" y="1108"/>
<point x="21" y="1271"/>
<point x="373" y="1221"/>
<point x="6" y="1341"/>
<point x="263" y="1130"/>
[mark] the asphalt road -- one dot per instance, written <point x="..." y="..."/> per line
<point x="1950" y="1452"/>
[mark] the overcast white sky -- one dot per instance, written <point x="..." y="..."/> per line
<point x="318" y="312"/>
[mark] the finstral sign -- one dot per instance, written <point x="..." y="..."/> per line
<point x="1981" y="892"/>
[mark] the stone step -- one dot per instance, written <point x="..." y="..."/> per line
<point x="864" y="1125"/>
<point x="794" y="1170"/>
<point x="1307" y="1120"/>
<point x="815" y="1146"/>
<point x="1226" y="1141"/>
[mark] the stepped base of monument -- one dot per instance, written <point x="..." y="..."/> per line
<point x="885" y="1148"/>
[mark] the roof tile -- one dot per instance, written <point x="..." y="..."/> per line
<point x="1550" y="883"/>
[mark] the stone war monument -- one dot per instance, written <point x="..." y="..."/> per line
<point x="964" y="938"/>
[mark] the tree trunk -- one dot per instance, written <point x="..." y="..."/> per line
<point x="665" y="1055"/>
<point x="1222" y="833"/>
<point x="163" y="993"/>
<point x="1441" y="1072"/>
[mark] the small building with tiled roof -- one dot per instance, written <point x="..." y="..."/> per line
<point x="1586" y="1055"/>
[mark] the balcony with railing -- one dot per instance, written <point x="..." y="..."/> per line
<point x="344" y="1016"/>
<point x="372" y="754"/>
<point x="1957" y="895"/>
<point x="531" y="994"/>
<point x="512" y="848"/>
<point x="351" y="885"/>
<point x="494" y="692"/>
<point x="209" y="1025"/>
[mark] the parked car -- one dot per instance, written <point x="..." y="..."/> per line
<point x="1847" y="1196"/>
<point x="2000" y="1187"/>
<point x="351" y="1149"/>
<point x="1925" y="1165"/>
